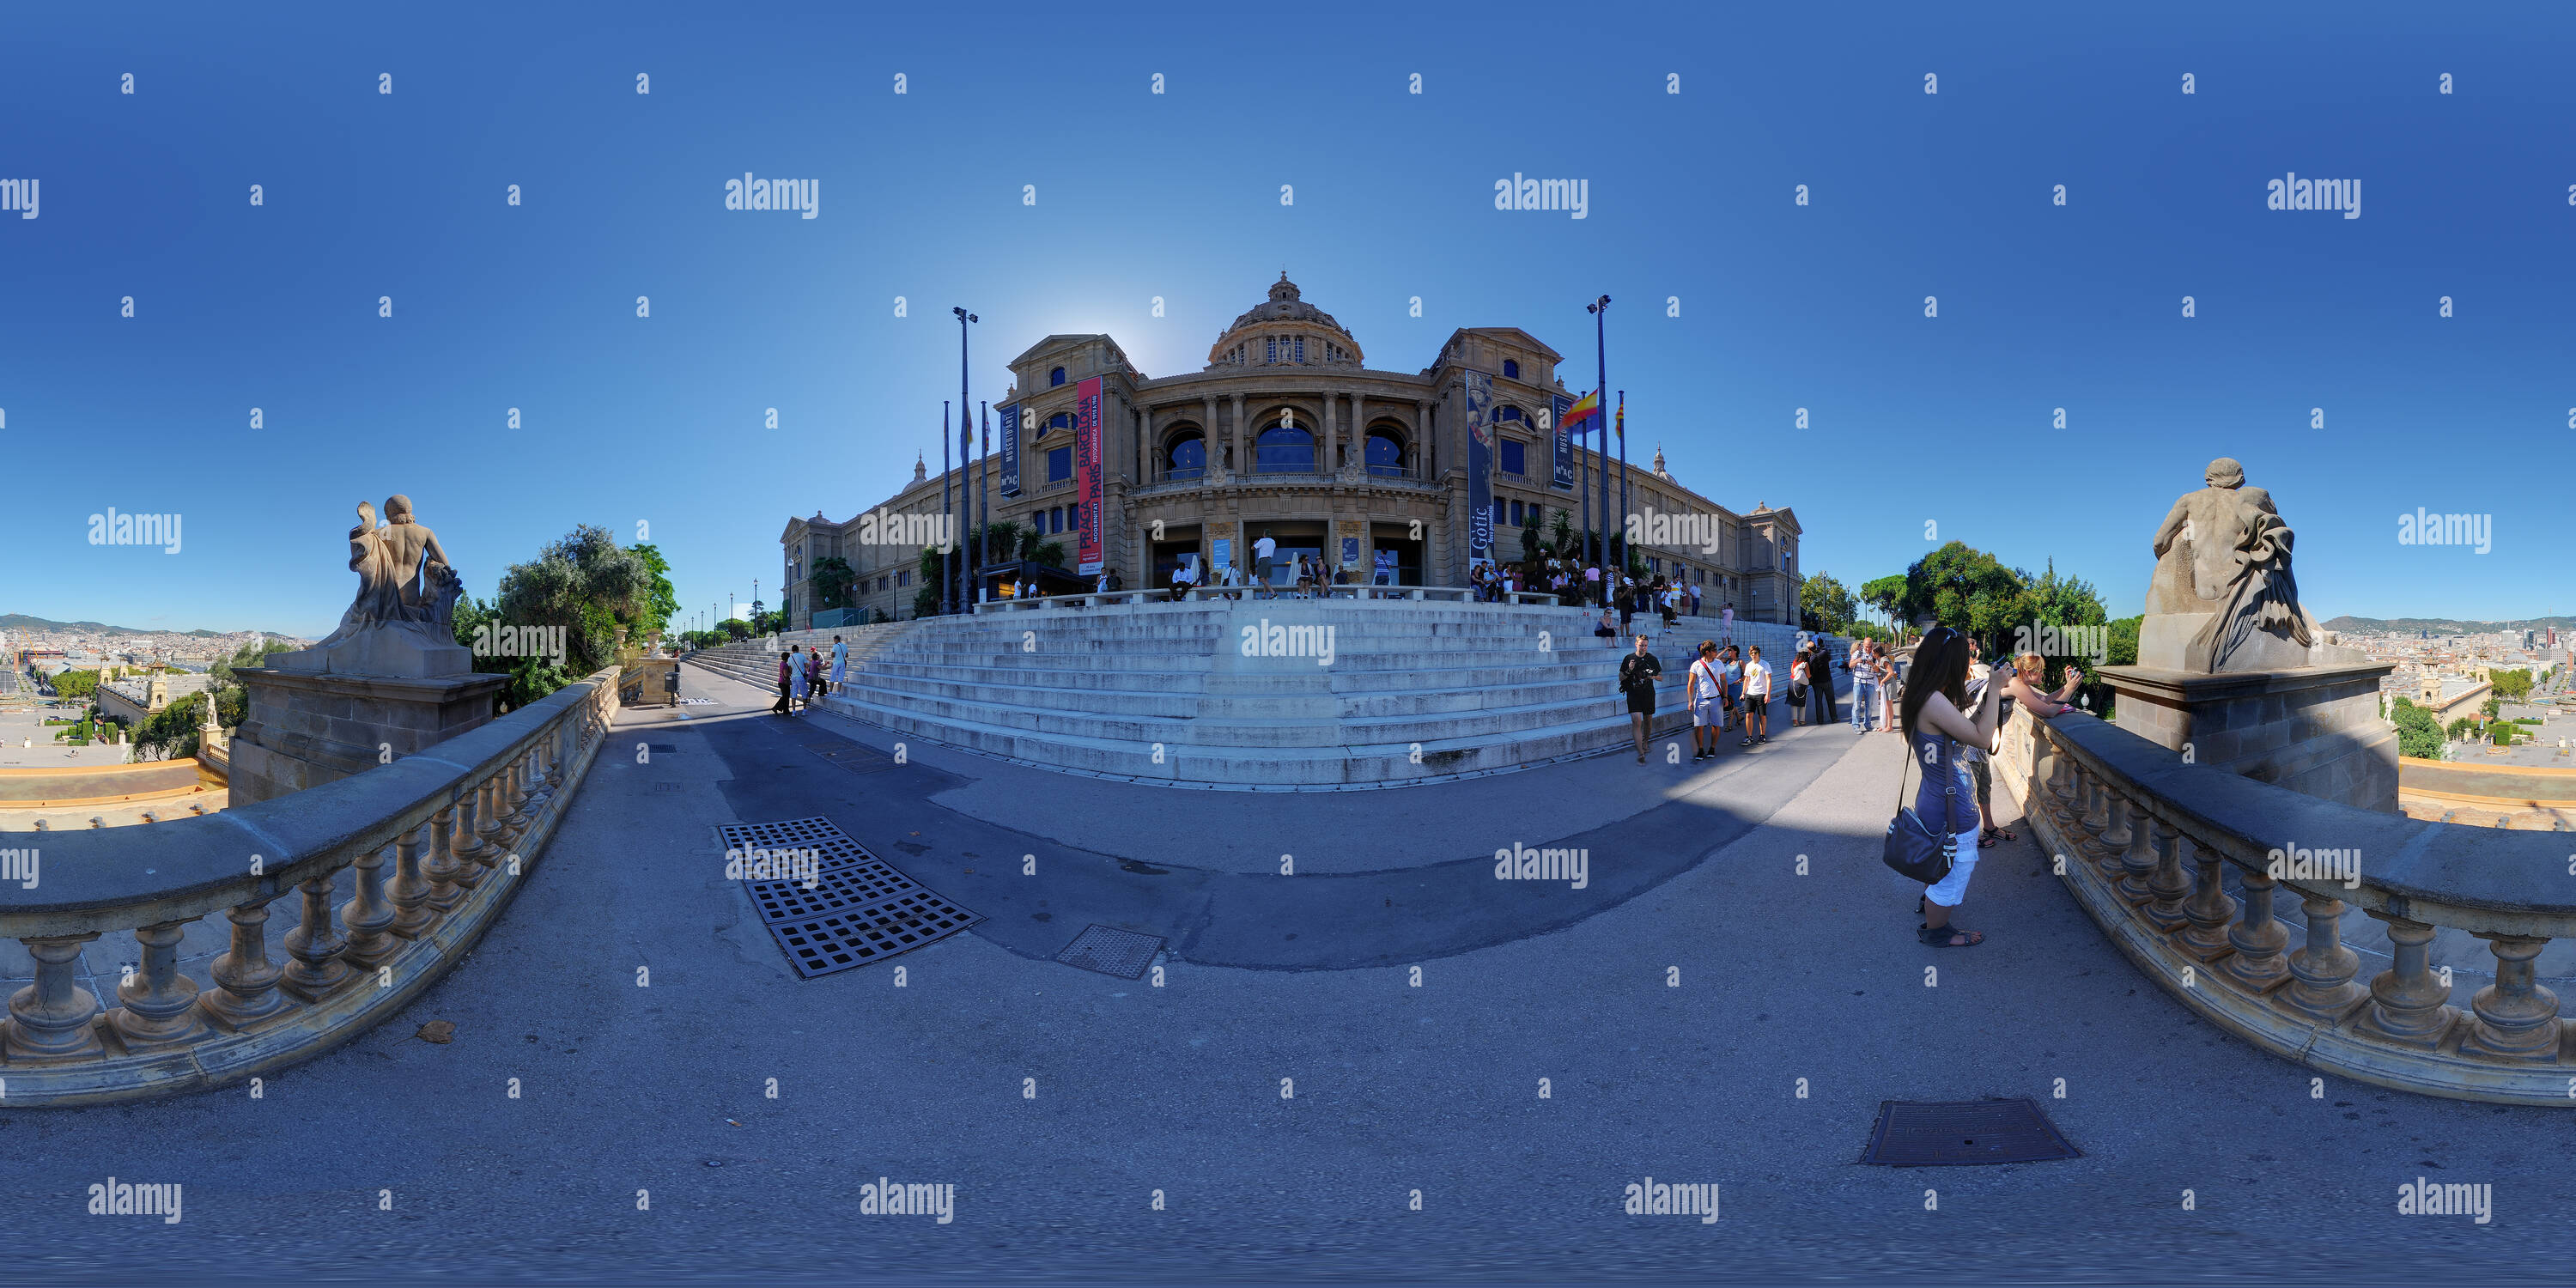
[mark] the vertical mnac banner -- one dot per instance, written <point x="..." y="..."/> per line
<point x="1480" y="464"/>
<point x="1010" y="418"/>
<point x="1086" y="476"/>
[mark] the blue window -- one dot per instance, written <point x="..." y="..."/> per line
<point x="1054" y="378"/>
<point x="1512" y="456"/>
<point x="1301" y="349"/>
<point x="1511" y="370"/>
<point x="1270" y="347"/>
<point x="1056" y="421"/>
<point x="1284" y="448"/>
<point x="1188" y="459"/>
<point x="1385" y="456"/>
<point x="1060" y="464"/>
<point x="1516" y="514"/>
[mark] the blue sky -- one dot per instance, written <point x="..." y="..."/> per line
<point x="627" y="420"/>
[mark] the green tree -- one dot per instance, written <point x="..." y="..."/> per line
<point x="831" y="579"/>
<point x="73" y="686"/>
<point x="2124" y="641"/>
<point x="661" y="603"/>
<point x="1534" y="536"/>
<point x="584" y="583"/>
<point x="2512" y="686"/>
<point x="1886" y="594"/>
<point x="1827" y="602"/>
<point x="2418" y="735"/>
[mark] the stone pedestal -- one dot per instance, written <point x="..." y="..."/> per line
<point x="2313" y="729"/>
<point x="308" y="728"/>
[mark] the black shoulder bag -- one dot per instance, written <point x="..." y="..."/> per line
<point x="1913" y="849"/>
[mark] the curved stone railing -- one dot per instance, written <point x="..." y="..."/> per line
<point x="2142" y="839"/>
<point x="437" y="843"/>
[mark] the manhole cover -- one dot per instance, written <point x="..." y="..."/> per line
<point x="859" y="908"/>
<point x="1956" y="1132"/>
<point x="1122" y="953"/>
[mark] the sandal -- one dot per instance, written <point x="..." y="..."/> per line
<point x="1987" y="841"/>
<point x="2006" y="833"/>
<point x="1948" y="936"/>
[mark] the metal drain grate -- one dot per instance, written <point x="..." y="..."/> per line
<point x="1110" y="951"/>
<point x="839" y="888"/>
<point x="860" y="907"/>
<point x="1963" y="1132"/>
<point x="844" y="940"/>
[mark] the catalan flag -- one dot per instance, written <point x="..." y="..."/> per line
<point x="1622" y="421"/>
<point x="1585" y="409"/>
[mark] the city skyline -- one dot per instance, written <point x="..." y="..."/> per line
<point x="397" y="202"/>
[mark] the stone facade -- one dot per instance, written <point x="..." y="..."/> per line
<point x="1286" y="429"/>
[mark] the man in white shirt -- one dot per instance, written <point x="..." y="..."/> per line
<point x="1262" y="552"/>
<point x="1757" y="698"/>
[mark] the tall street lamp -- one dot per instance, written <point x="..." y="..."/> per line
<point x="966" y="437"/>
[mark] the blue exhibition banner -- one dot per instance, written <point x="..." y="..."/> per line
<point x="1558" y="405"/>
<point x="1480" y="465"/>
<point x="1010" y="416"/>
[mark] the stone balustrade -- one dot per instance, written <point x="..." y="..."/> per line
<point x="2144" y="840"/>
<point x="434" y="843"/>
<point x="1430" y="594"/>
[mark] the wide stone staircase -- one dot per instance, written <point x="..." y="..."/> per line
<point x="1254" y="693"/>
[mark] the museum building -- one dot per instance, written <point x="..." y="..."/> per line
<point x="1287" y="432"/>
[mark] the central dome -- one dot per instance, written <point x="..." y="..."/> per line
<point x="1312" y="337"/>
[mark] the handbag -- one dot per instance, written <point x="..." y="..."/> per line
<point x="1912" y="849"/>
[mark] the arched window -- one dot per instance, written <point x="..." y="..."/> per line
<point x="1056" y="421"/>
<point x="1508" y="413"/>
<point x="1385" y="455"/>
<point x="1284" y="449"/>
<point x="1511" y="370"/>
<point x="1055" y="377"/>
<point x="1187" y="456"/>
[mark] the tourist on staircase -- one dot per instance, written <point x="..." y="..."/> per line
<point x="1637" y="675"/>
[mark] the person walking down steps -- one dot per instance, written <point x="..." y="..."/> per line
<point x="1637" y="675"/>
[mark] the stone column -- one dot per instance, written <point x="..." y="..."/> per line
<point x="1421" y="439"/>
<point x="366" y="915"/>
<point x="1359" y="432"/>
<point x="1330" y="435"/>
<point x="2258" y="938"/>
<point x="315" y="946"/>
<point x="1242" y="461"/>
<point x="1217" y="461"/>
<point x="2321" y="973"/>
<point x="2408" y="1002"/>
<point x="2515" y="1015"/>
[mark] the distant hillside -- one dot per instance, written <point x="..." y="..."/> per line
<point x="22" y="622"/>
<point x="2451" y="626"/>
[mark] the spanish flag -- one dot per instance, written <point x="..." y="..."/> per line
<point x="1587" y="408"/>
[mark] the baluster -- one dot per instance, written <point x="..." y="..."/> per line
<point x="466" y="847"/>
<point x="2168" y="886"/>
<point x="521" y="797"/>
<point x="2115" y="836"/>
<point x="315" y="945"/>
<point x="2516" y="1016"/>
<point x="50" y="1019"/>
<point x="159" y="1004"/>
<point x="2322" y="972"/>
<point x="442" y="865"/>
<point x="2097" y="802"/>
<point x="408" y="891"/>
<point x="2408" y="1002"/>
<point x="2211" y="907"/>
<point x="2258" y="939"/>
<point x="2138" y="862"/>
<point x="555" y="757"/>
<point x="366" y="915"/>
<point x="245" y="979"/>
<point x="2061" y="775"/>
<point x="487" y="824"/>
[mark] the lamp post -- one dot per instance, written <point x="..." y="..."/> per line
<point x="966" y="436"/>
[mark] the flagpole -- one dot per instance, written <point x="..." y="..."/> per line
<point x="1620" y="426"/>
<point x="947" y="575"/>
<point x="1600" y="310"/>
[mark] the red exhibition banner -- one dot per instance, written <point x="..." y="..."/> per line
<point x="1088" y="532"/>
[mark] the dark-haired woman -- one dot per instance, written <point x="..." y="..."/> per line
<point x="1935" y="727"/>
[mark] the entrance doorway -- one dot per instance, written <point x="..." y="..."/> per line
<point x="1294" y="540"/>
<point x="1394" y="540"/>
